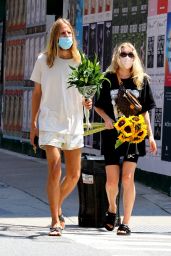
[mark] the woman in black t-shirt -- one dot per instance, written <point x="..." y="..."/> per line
<point x="125" y="67"/>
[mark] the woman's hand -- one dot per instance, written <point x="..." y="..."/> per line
<point x="109" y="123"/>
<point x="152" y="144"/>
<point x="33" y="133"/>
<point x="87" y="103"/>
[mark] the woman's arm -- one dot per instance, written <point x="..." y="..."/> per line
<point x="108" y="121"/>
<point x="152" y="143"/>
<point x="36" y="97"/>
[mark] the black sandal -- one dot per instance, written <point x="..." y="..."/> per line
<point x="56" y="231"/>
<point x="62" y="221"/>
<point x="123" y="230"/>
<point x="110" y="221"/>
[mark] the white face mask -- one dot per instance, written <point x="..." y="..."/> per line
<point x="126" y="62"/>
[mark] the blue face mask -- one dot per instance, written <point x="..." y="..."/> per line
<point x="65" y="42"/>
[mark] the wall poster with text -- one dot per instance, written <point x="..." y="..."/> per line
<point x="79" y="23"/>
<point x="100" y="40"/>
<point x="166" y="142"/>
<point x="168" y="52"/>
<point x="85" y="39"/>
<point x="107" y="44"/>
<point x="92" y="40"/>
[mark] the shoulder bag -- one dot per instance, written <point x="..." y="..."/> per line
<point x="127" y="103"/>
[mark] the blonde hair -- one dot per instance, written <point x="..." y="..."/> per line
<point x="52" y="48"/>
<point x="137" y="70"/>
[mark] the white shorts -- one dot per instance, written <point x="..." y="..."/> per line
<point x="62" y="141"/>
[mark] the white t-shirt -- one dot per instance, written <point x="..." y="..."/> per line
<point x="61" y="108"/>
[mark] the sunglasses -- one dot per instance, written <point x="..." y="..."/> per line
<point x="125" y="54"/>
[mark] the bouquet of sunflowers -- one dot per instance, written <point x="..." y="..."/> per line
<point x="132" y="129"/>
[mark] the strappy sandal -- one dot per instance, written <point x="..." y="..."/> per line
<point x="56" y="231"/>
<point x="123" y="230"/>
<point x="62" y="221"/>
<point x="110" y="221"/>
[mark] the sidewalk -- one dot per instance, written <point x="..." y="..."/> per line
<point x="24" y="211"/>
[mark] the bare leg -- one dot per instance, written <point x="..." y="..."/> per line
<point x="53" y="185"/>
<point x="112" y="178"/>
<point x="73" y="166"/>
<point x="128" y="190"/>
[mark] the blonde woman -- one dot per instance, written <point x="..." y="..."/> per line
<point x="125" y="68"/>
<point x="57" y="116"/>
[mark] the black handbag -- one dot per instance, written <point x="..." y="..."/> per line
<point x="127" y="103"/>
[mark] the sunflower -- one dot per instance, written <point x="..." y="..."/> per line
<point x="142" y="133"/>
<point x="137" y="119"/>
<point x="128" y="129"/>
<point x="120" y="123"/>
<point x="137" y="139"/>
<point x="123" y="138"/>
<point x="131" y="129"/>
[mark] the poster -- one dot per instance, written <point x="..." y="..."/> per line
<point x="28" y="13"/>
<point x="43" y="12"/>
<point x="21" y="74"/>
<point x="108" y="10"/>
<point x="29" y="110"/>
<point x="18" y="60"/>
<point x="6" y="110"/>
<point x="152" y="7"/>
<point x="66" y="9"/>
<point x="160" y="50"/>
<point x="38" y="12"/>
<point x="79" y="23"/>
<point x="157" y="123"/>
<point x="97" y="11"/>
<point x="151" y="45"/>
<point x="100" y="43"/>
<point x="11" y="112"/>
<point x="116" y="22"/>
<point x="16" y="112"/>
<point x="92" y="40"/>
<point x="33" y="12"/>
<point x="168" y="52"/>
<point x="42" y="42"/>
<point x="25" y="110"/>
<point x="150" y="52"/>
<point x="37" y="48"/>
<point x="85" y="39"/>
<point x="86" y="11"/>
<point x="162" y="6"/>
<point x="8" y="54"/>
<point x="31" y="55"/>
<point x="72" y="12"/>
<point x="169" y="6"/>
<point x="134" y="16"/>
<point x="26" y="64"/>
<point x="107" y="44"/>
<point x="166" y="142"/>
<point x="13" y="61"/>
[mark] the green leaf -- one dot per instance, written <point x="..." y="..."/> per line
<point x="118" y="143"/>
<point x="87" y="73"/>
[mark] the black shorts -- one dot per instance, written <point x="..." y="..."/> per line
<point x="113" y="156"/>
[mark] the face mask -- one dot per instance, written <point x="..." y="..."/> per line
<point x="65" y="42"/>
<point x="126" y="62"/>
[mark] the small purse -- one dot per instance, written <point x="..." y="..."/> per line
<point x="127" y="103"/>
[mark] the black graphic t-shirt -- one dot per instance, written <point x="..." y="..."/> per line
<point x="106" y="102"/>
